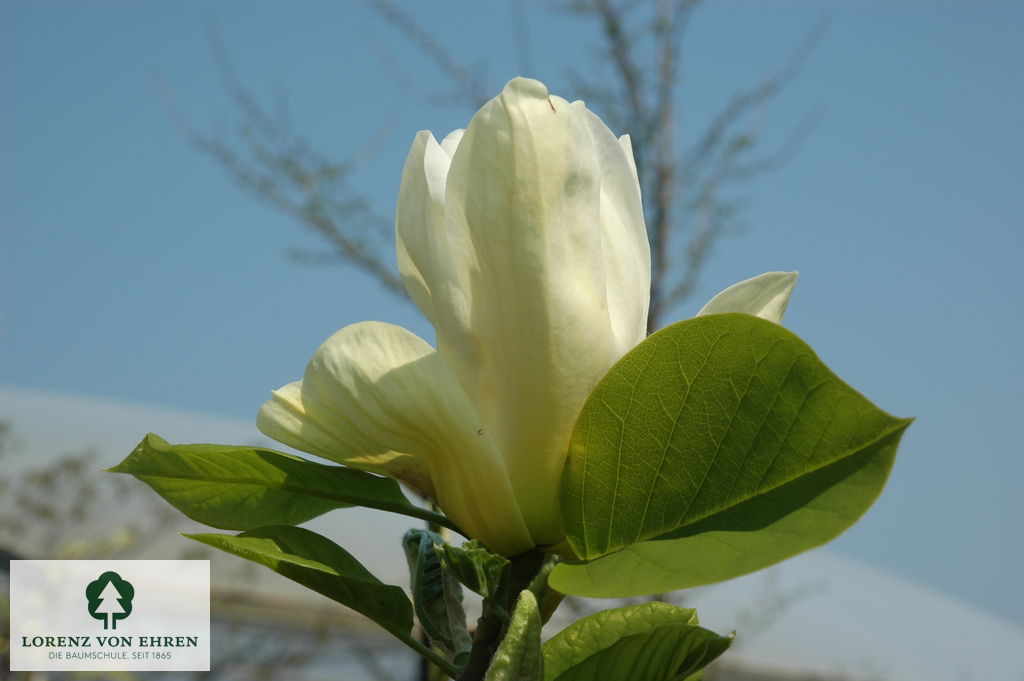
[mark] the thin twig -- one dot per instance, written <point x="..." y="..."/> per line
<point x="471" y="87"/>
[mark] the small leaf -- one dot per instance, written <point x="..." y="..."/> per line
<point x="321" y="565"/>
<point x="718" y="446"/>
<point x="648" y="642"/>
<point x="518" y="658"/>
<point x="548" y="599"/>
<point x="476" y="567"/>
<point x="241" y="488"/>
<point x="437" y="596"/>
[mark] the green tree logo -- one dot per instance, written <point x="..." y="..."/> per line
<point x="110" y="598"/>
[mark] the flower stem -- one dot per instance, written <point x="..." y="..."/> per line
<point x="427" y="652"/>
<point x="491" y="626"/>
<point x="485" y="642"/>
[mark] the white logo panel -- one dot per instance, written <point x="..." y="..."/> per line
<point x="110" y="615"/>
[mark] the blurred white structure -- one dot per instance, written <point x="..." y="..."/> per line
<point x="836" y="618"/>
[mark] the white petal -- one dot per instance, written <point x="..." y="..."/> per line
<point x="419" y="219"/>
<point x="765" y="295"/>
<point x="627" y="252"/>
<point x="451" y="141"/>
<point x="547" y="252"/>
<point x="627" y="145"/>
<point x="377" y="397"/>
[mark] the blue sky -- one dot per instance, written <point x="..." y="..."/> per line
<point x="133" y="268"/>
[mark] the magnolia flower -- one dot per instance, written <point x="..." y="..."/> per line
<point x="522" y="240"/>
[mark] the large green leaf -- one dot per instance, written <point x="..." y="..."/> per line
<point x="437" y="596"/>
<point x="648" y="642"/>
<point x="716" y="447"/>
<point x="321" y="565"/>
<point x="518" y="658"/>
<point x="241" y="488"/>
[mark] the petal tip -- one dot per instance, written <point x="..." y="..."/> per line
<point x="521" y="86"/>
<point x="450" y="143"/>
<point x="766" y="296"/>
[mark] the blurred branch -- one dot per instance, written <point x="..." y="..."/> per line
<point x="692" y="196"/>
<point x="620" y="48"/>
<point x="50" y="507"/>
<point x="267" y="158"/>
<point x="470" y="89"/>
<point x="724" y="155"/>
<point x="685" y="204"/>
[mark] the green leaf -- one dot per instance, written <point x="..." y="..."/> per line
<point x="718" y="446"/>
<point x="476" y="567"/>
<point x="241" y="488"/>
<point x="648" y="642"/>
<point x="437" y="596"/>
<point x="518" y="658"/>
<point x="321" y="565"/>
<point x="548" y="599"/>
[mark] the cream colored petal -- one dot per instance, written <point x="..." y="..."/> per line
<point x="627" y="253"/>
<point x="291" y="417"/>
<point x="532" y="221"/>
<point x="627" y="145"/>
<point x="377" y="397"/>
<point x="419" y="219"/>
<point x="765" y="295"/>
<point x="451" y="141"/>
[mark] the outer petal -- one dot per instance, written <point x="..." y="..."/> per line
<point x="377" y="397"/>
<point x="765" y="296"/>
<point x="451" y="141"/>
<point x="422" y="249"/>
<point x="627" y="252"/>
<point x="548" y="289"/>
<point x="627" y="145"/>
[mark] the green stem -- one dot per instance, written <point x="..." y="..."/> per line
<point x="501" y="612"/>
<point x="427" y="652"/>
<point x="432" y="517"/>
<point x="490" y="628"/>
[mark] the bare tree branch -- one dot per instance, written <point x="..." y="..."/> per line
<point x="688" y="201"/>
<point x="724" y="156"/>
<point x="471" y="89"/>
<point x="685" y="194"/>
<point x="629" y="72"/>
<point x="270" y="160"/>
<point x="672" y="18"/>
